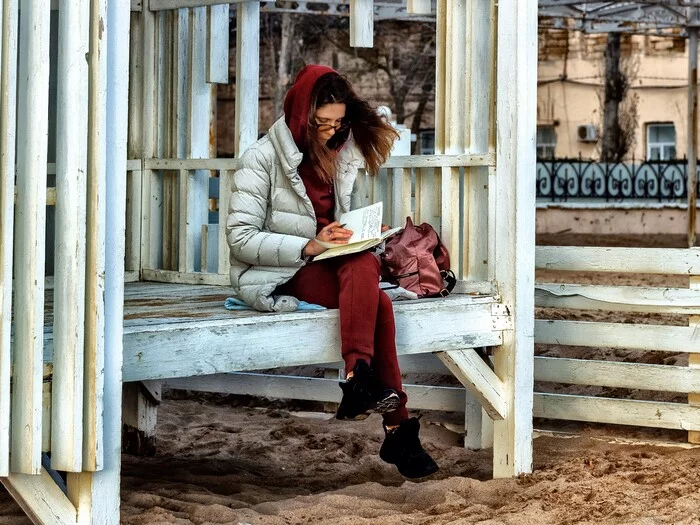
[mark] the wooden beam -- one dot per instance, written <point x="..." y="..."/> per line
<point x="514" y="265"/>
<point x="217" y="43"/>
<point x="225" y="178"/>
<point x="95" y="240"/>
<point x="139" y="418"/>
<point x="201" y="138"/>
<point x="662" y="338"/>
<point x="661" y="378"/>
<point x="69" y="290"/>
<point x="654" y="414"/>
<point x="618" y="298"/>
<point x="190" y="164"/>
<point x="418" y="7"/>
<point x="32" y="137"/>
<point x="40" y="498"/>
<point x="361" y="23"/>
<point x="169" y="276"/>
<point x="674" y="261"/>
<point x="189" y="349"/>
<point x="247" y="75"/>
<point x="161" y="5"/>
<point x="437" y="161"/>
<point x="414" y="161"/>
<point x="98" y="492"/>
<point x="9" y="15"/>
<point x="476" y="376"/>
<point x="421" y="397"/>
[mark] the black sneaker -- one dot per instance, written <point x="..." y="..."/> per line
<point x="362" y="396"/>
<point x="402" y="448"/>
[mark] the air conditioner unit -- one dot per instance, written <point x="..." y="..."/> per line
<point x="587" y="133"/>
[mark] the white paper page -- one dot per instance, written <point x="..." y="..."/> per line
<point x="365" y="223"/>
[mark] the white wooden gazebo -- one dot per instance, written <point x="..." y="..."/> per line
<point x="141" y="272"/>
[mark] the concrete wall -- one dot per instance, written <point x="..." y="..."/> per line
<point x="607" y="220"/>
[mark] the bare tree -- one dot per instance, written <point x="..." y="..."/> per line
<point x="619" y="106"/>
<point x="409" y="64"/>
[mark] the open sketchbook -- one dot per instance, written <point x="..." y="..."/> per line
<point x="366" y="226"/>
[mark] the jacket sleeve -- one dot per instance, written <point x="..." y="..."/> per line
<point x="247" y="240"/>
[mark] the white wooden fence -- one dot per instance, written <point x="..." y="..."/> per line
<point x="643" y="337"/>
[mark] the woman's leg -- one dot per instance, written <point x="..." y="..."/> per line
<point x="386" y="364"/>
<point x="358" y="282"/>
<point x="315" y="283"/>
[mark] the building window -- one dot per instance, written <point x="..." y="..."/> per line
<point x="661" y="141"/>
<point x="546" y="142"/>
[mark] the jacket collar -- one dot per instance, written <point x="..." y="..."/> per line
<point x="285" y="147"/>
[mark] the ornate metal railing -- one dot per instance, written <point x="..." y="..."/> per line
<point x="561" y="180"/>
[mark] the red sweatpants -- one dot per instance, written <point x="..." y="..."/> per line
<point x="367" y="331"/>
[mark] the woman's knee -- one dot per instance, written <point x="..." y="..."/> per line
<point x="362" y="261"/>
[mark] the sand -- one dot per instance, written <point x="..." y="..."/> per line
<point x="219" y="463"/>
<point x="233" y="460"/>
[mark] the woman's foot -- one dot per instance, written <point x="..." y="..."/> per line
<point x="362" y="396"/>
<point x="402" y="448"/>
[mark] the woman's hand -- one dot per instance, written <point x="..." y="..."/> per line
<point x="385" y="227"/>
<point x="334" y="233"/>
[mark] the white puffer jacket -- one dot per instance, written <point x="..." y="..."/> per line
<point x="271" y="217"/>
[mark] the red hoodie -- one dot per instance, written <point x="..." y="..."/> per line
<point x="298" y="101"/>
<point x="296" y="115"/>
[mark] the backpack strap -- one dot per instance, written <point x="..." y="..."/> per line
<point x="450" y="279"/>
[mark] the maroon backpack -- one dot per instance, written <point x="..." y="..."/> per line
<point x="416" y="260"/>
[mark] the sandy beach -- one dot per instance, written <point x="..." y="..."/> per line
<point x="237" y="460"/>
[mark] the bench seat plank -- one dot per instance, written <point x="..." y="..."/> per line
<point x="183" y="331"/>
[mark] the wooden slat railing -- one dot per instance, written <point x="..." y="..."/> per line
<point x="408" y="186"/>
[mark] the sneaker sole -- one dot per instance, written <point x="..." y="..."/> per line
<point x="388" y="404"/>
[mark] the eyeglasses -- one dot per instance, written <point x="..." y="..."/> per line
<point x="342" y="125"/>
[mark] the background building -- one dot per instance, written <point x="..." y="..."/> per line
<point x="571" y="78"/>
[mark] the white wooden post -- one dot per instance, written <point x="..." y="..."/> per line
<point x="96" y="494"/>
<point x="692" y="132"/>
<point x="515" y="227"/>
<point x="69" y="287"/>
<point x="481" y="17"/>
<point x="217" y="43"/>
<point x="694" y="359"/>
<point x="32" y="136"/>
<point x="135" y="144"/>
<point x="148" y="146"/>
<point x="418" y="7"/>
<point x="95" y="234"/>
<point x="361" y="23"/>
<point x="247" y="75"/>
<point x="454" y="105"/>
<point x="464" y="95"/>
<point x="9" y="15"/>
<point x="201" y="103"/>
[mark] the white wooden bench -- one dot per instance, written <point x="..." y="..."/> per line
<point x="183" y="335"/>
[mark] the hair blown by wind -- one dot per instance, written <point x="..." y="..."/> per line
<point x="373" y="135"/>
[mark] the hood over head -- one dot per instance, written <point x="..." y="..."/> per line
<point x="298" y="101"/>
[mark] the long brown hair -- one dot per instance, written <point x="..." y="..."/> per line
<point x="371" y="132"/>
